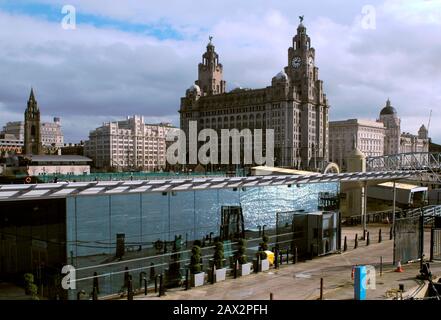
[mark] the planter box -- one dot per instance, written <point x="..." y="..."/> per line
<point x="220" y="274"/>
<point x="264" y="265"/>
<point x="198" y="279"/>
<point x="245" y="269"/>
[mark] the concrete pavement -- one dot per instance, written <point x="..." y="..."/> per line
<point x="302" y="281"/>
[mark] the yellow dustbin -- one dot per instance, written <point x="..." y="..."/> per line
<point x="270" y="257"/>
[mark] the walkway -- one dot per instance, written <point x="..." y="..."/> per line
<point x="302" y="281"/>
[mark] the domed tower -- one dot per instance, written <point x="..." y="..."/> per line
<point x="32" y="134"/>
<point x="423" y="133"/>
<point x="390" y="119"/>
<point x="210" y="73"/>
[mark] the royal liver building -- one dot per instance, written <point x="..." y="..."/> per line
<point x="295" y="105"/>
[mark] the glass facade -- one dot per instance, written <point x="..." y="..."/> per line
<point x="94" y="221"/>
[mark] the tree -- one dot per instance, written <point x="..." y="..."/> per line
<point x="241" y="251"/>
<point x="218" y="256"/>
<point x="195" y="261"/>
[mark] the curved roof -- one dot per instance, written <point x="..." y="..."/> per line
<point x="388" y="109"/>
<point x="281" y="76"/>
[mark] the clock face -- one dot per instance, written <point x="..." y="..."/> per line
<point x="296" y="62"/>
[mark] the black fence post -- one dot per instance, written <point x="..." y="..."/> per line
<point x="130" y="289"/>
<point x="380" y="238"/>
<point x="161" y="285"/>
<point x="345" y="244"/>
<point x="156" y="283"/>
<point x="276" y="258"/>
<point x="367" y="239"/>
<point x="287" y="256"/>
<point x="145" y="286"/>
<point x="235" y="269"/>
<point x="390" y="234"/>
<point x="94" y="294"/>
<point x="356" y="241"/>
<point x="95" y="282"/>
<point x="257" y="263"/>
<point x="126" y="277"/>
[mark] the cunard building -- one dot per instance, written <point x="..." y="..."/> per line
<point x="294" y="105"/>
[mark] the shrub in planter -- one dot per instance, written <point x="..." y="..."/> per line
<point x="218" y="256"/>
<point x="30" y="286"/>
<point x="195" y="267"/>
<point x="245" y="268"/>
<point x="263" y="246"/>
<point x="218" y="261"/>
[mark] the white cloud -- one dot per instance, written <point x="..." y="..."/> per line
<point x="108" y="73"/>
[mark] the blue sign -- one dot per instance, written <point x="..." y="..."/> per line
<point x="360" y="283"/>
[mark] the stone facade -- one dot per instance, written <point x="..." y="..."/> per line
<point x="369" y="138"/>
<point x="128" y="145"/>
<point x="397" y="142"/>
<point x="295" y="105"/>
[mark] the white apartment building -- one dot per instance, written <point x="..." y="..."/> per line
<point x="369" y="138"/>
<point x="51" y="134"/>
<point x="129" y="145"/>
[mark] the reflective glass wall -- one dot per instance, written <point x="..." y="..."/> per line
<point x="93" y="222"/>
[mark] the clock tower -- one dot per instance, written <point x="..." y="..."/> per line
<point x="210" y="72"/>
<point x="313" y="105"/>
<point x="32" y="135"/>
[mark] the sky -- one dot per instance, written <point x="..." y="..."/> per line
<point x="138" y="57"/>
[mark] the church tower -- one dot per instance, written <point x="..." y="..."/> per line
<point x="210" y="73"/>
<point x="32" y="135"/>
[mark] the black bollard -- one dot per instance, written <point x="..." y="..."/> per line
<point x="130" y="289"/>
<point x="390" y="234"/>
<point x="161" y="285"/>
<point x="271" y="296"/>
<point x="296" y="255"/>
<point x="95" y="282"/>
<point x="345" y="244"/>
<point x="381" y="266"/>
<point x="213" y="268"/>
<point x="367" y="239"/>
<point x="145" y="286"/>
<point x="94" y="294"/>
<point x="156" y="283"/>
<point x="321" y="288"/>
<point x="126" y="277"/>
<point x="235" y="269"/>
<point x="276" y="258"/>
<point x="380" y="238"/>
<point x="256" y="270"/>
<point x="287" y="256"/>
<point x="356" y="241"/>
